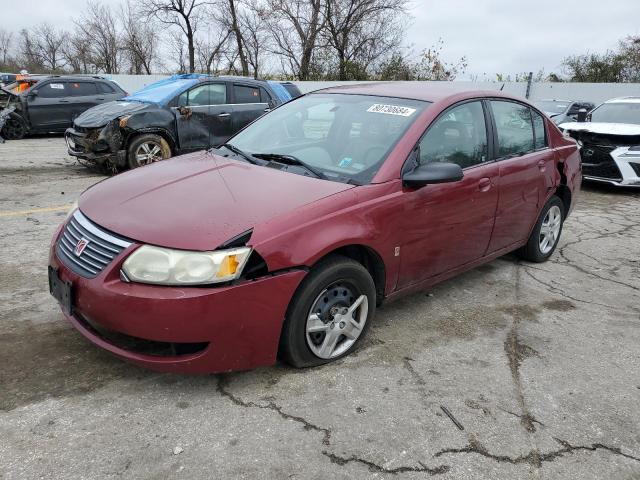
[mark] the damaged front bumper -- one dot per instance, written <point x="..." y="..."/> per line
<point x="618" y="166"/>
<point x="97" y="145"/>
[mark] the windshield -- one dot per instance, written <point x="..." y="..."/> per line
<point x="617" y="113"/>
<point x="552" y="106"/>
<point x="344" y="137"/>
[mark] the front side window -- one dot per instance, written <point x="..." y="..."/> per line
<point x="458" y="136"/>
<point x="514" y="127"/>
<point x="53" y="90"/>
<point x="246" y="94"/>
<point x="346" y="137"/>
<point x="203" y="95"/>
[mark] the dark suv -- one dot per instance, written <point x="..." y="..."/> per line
<point x="51" y="103"/>
<point x="180" y="114"/>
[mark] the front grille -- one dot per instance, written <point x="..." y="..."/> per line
<point x="636" y="168"/>
<point x="100" y="247"/>
<point x="598" y="162"/>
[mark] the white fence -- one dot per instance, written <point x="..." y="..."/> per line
<point x="594" y="92"/>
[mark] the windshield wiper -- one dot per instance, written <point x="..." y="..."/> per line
<point x="239" y="152"/>
<point x="291" y="160"/>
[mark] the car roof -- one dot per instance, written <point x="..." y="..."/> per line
<point x="415" y="91"/>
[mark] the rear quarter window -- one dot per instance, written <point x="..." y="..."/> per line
<point x="105" y="88"/>
<point x="246" y="94"/>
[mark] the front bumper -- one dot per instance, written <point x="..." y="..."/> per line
<point x="238" y="325"/>
<point x="95" y="146"/>
<point x="615" y="166"/>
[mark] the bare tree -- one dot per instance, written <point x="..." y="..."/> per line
<point x="99" y="27"/>
<point x="6" y="43"/>
<point x="178" y="51"/>
<point x="183" y="14"/>
<point x="236" y="31"/>
<point x="361" y="30"/>
<point x="295" y="27"/>
<point x="48" y="42"/>
<point x="256" y="38"/>
<point x="211" y="51"/>
<point x="29" y="53"/>
<point x="140" y="40"/>
<point x="77" y="53"/>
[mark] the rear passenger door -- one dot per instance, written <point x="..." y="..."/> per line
<point x="249" y="103"/>
<point x="82" y="96"/>
<point x="526" y="170"/>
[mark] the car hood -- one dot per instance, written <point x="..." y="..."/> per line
<point x="602" y="128"/>
<point x="102" y="114"/>
<point x="198" y="201"/>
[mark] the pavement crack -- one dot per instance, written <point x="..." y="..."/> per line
<point x="534" y="457"/>
<point x="375" y="467"/>
<point x="222" y="388"/>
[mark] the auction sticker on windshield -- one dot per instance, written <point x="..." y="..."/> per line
<point x="391" y="110"/>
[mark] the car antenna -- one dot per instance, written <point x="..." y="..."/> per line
<point x="502" y="87"/>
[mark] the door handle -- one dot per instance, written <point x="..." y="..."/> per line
<point x="267" y="110"/>
<point x="100" y="98"/>
<point x="63" y="101"/>
<point x="484" y="184"/>
<point x="224" y="115"/>
<point x="542" y="165"/>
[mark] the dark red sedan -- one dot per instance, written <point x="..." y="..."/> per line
<point x="284" y="241"/>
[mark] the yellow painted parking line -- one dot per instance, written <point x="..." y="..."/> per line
<point x="20" y="213"/>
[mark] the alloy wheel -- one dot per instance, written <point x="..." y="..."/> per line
<point x="148" y="152"/>
<point x="550" y="229"/>
<point x="336" y="320"/>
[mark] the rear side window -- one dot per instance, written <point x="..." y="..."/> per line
<point x="81" y="89"/>
<point x="458" y="136"/>
<point x="105" y="88"/>
<point x="539" y="131"/>
<point x="54" y="90"/>
<point x="246" y="94"/>
<point x="515" y="128"/>
<point x="202" y="95"/>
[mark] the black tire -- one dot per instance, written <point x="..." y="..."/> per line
<point x="340" y="273"/>
<point x="532" y="251"/>
<point x="15" y="127"/>
<point x="155" y="143"/>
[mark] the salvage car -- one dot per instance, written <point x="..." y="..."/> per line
<point x="610" y="142"/>
<point x="562" y="111"/>
<point x="50" y="103"/>
<point x="286" y="238"/>
<point x="181" y="114"/>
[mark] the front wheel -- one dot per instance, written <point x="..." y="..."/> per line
<point x="147" y="149"/>
<point x="546" y="233"/>
<point x="15" y="128"/>
<point x="329" y="314"/>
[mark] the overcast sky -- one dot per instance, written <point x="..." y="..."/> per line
<point x="497" y="36"/>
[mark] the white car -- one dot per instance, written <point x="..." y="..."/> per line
<point x="610" y="142"/>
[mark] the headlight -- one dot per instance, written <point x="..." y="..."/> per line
<point x="164" y="266"/>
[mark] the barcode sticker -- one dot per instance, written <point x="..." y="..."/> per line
<point x="391" y="110"/>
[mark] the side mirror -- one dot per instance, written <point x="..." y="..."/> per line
<point x="33" y="94"/>
<point x="582" y="115"/>
<point x="432" y="172"/>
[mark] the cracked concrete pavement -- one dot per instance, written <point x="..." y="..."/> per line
<point x="539" y="364"/>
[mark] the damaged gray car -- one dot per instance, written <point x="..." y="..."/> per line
<point x="180" y="114"/>
<point x="610" y="142"/>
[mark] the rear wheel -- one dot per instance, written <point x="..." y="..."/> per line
<point x="329" y="314"/>
<point x="546" y="233"/>
<point x="147" y="149"/>
<point x="14" y="128"/>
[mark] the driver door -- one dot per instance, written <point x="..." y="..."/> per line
<point x="449" y="225"/>
<point x="203" y="116"/>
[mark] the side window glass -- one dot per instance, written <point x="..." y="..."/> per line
<point x="209" y="94"/>
<point x="515" y="128"/>
<point x="539" y="131"/>
<point x="246" y="94"/>
<point x="81" y="89"/>
<point x="53" y="90"/>
<point x="105" y="88"/>
<point x="459" y="136"/>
